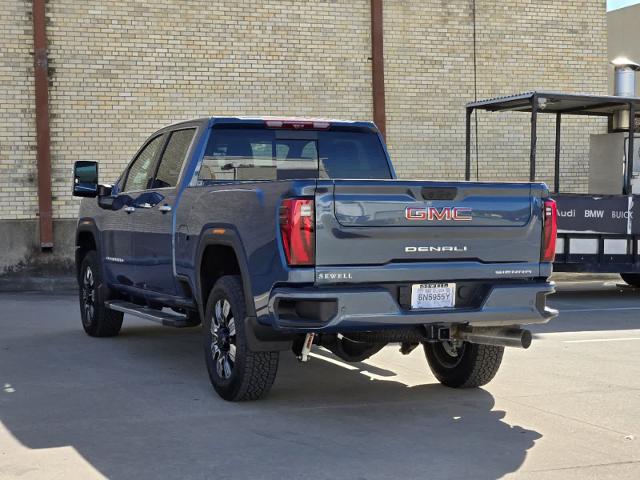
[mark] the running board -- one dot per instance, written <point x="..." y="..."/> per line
<point x="167" y="319"/>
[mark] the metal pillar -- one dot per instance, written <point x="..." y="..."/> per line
<point x="534" y="138"/>
<point x="467" y="166"/>
<point x="632" y="131"/>
<point x="556" y="178"/>
<point x="41" y="77"/>
<point x="377" y="67"/>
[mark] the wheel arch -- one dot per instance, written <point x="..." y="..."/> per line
<point x="220" y="252"/>
<point x="87" y="239"/>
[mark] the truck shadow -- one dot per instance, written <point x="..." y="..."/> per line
<point x="140" y="405"/>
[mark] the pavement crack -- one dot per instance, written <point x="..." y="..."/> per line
<point x="566" y="417"/>
<point x="583" y="467"/>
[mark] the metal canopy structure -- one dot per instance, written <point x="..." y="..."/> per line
<point x="558" y="104"/>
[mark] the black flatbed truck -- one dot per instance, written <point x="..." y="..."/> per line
<point x="596" y="232"/>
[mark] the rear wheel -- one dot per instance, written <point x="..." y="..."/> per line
<point x="97" y="319"/>
<point x="235" y="371"/>
<point x="632" y="279"/>
<point x="463" y="364"/>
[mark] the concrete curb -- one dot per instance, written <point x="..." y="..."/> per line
<point x="24" y="283"/>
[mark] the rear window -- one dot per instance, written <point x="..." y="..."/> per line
<point x="274" y="154"/>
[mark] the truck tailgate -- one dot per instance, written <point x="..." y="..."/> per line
<point x="395" y="222"/>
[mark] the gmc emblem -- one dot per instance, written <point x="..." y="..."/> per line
<point x="458" y="214"/>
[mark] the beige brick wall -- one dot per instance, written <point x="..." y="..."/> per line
<point x="121" y="69"/>
<point x="17" y="124"/>
<point x="124" y="69"/>
<point x="555" y="45"/>
<point x="522" y="45"/>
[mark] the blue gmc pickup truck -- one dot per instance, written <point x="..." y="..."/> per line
<point x="281" y="234"/>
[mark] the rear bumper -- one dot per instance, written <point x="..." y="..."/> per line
<point x="374" y="308"/>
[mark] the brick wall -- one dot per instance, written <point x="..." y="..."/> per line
<point x="121" y="69"/>
<point x="17" y="123"/>
<point x="521" y="46"/>
<point x="124" y="69"/>
<point x="552" y="45"/>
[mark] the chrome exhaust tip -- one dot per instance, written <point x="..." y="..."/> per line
<point x="496" y="336"/>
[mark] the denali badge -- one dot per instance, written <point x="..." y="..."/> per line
<point x="441" y="248"/>
<point x="430" y="214"/>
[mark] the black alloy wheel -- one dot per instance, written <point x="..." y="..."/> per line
<point x="223" y="338"/>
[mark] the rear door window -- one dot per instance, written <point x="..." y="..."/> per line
<point x="257" y="153"/>
<point x="173" y="158"/>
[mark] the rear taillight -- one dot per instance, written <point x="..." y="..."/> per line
<point x="549" y="231"/>
<point x="297" y="228"/>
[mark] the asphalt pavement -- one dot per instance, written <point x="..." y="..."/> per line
<point x="140" y="405"/>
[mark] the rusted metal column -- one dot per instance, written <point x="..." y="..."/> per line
<point x="41" y="76"/>
<point x="467" y="155"/>
<point x="377" y="67"/>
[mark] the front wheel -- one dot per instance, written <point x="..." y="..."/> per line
<point x="463" y="364"/>
<point x="97" y="319"/>
<point x="235" y="371"/>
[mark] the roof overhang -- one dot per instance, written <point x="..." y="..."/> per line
<point x="555" y="102"/>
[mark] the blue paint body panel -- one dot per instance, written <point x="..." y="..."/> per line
<point x="364" y="239"/>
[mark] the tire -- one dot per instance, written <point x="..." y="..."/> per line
<point x="236" y="372"/>
<point x="97" y="320"/>
<point x="632" y="279"/>
<point x="475" y="365"/>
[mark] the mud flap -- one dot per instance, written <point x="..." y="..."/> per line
<point x="261" y="338"/>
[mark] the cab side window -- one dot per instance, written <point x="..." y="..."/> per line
<point x="141" y="170"/>
<point x="173" y="157"/>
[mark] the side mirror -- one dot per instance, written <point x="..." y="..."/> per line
<point x="85" y="179"/>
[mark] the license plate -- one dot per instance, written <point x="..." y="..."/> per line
<point x="433" y="295"/>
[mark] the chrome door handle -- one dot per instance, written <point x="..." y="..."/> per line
<point x="165" y="208"/>
<point x="129" y="209"/>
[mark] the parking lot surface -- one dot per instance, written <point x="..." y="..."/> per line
<point x="140" y="405"/>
